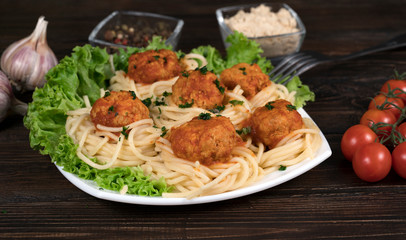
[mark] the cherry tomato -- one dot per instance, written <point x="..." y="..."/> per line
<point x="393" y="84"/>
<point x="378" y="116"/>
<point x="392" y="104"/>
<point x="402" y="129"/>
<point x="355" y="137"/>
<point x="399" y="159"/>
<point x="372" y="162"/>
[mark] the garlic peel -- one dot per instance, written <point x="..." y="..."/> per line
<point x="27" y="61"/>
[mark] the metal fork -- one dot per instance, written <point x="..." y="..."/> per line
<point x="298" y="63"/>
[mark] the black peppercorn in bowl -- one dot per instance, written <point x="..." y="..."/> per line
<point x="135" y="29"/>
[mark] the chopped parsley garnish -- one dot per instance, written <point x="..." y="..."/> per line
<point x="217" y="109"/>
<point x="165" y="60"/>
<point x="203" y="70"/>
<point x="133" y="94"/>
<point x="111" y="108"/>
<point x="185" y="74"/>
<point x="290" y="107"/>
<point x="204" y="116"/>
<point x="164" y="131"/>
<point x="166" y="94"/>
<point x="236" y="102"/>
<point x="159" y="102"/>
<point x="107" y="93"/>
<point x="124" y="132"/>
<point x="135" y="66"/>
<point x="147" y="102"/>
<point x="187" y="105"/>
<point x="243" y="70"/>
<point x="282" y="168"/>
<point x="245" y="131"/>
<point x="220" y="88"/>
<point x="269" y="105"/>
<point x="156" y="57"/>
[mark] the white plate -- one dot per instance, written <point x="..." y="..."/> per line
<point x="270" y="180"/>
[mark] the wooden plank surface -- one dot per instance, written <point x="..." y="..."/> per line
<point x="328" y="202"/>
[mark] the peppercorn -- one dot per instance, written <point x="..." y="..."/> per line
<point x="137" y="34"/>
<point x="109" y="35"/>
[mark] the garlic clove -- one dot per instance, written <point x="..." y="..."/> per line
<point x="8" y="102"/>
<point x="5" y="104"/>
<point x="28" y="60"/>
<point x="6" y="93"/>
<point x="17" y="67"/>
<point x="5" y="85"/>
<point x="45" y="60"/>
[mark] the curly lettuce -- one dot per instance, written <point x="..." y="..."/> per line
<point x="86" y="71"/>
<point x="83" y="73"/>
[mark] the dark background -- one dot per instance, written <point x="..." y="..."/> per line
<point x="328" y="202"/>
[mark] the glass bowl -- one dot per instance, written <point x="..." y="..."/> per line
<point x="274" y="45"/>
<point x="130" y="28"/>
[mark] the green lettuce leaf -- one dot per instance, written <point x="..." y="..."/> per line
<point x="215" y="61"/>
<point x="83" y="73"/>
<point x="303" y="92"/>
<point x="242" y="49"/>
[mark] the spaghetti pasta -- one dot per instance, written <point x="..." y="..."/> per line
<point x="142" y="144"/>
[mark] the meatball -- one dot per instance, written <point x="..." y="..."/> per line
<point x="274" y="121"/>
<point x="151" y="66"/>
<point x="118" y="109"/>
<point x="200" y="87"/>
<point x="207" y="141"/>
<point x="249" y="76"/>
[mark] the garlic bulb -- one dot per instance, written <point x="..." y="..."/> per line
<point x="8" y="100"/>
<point x="28" y="60"/>
<point x="5" y="96"/>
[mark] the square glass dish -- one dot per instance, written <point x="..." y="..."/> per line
<point x="134" y="29"/>
<point x="274" y="45"/>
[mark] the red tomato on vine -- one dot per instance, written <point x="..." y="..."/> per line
<point x="383" y="118"/>
<point x="397" y="85"/>
<point x="399" y="159"/>
<point x="355" y="137"/>
<point x="372" y="162"/>
<point x="392" y="104"/>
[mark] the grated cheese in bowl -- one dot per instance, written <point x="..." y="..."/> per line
<point x="278" y="32"/>
<point x="261" y="21"/>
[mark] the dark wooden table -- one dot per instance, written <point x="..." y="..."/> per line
<point x="328" y="202"/>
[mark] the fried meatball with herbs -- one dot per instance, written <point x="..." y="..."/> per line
<point x="207" y="141"/>
<point x="274" y="121"/>
<point x="249" y="76"/>
<point x="117" y="109"/>
<point x="152" y="66"/>
<point x="198" y="88"/>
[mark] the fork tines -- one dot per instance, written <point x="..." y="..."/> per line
<point x="292" y="66"/>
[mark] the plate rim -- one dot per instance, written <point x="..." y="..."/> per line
<point x="90" y="187"/>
